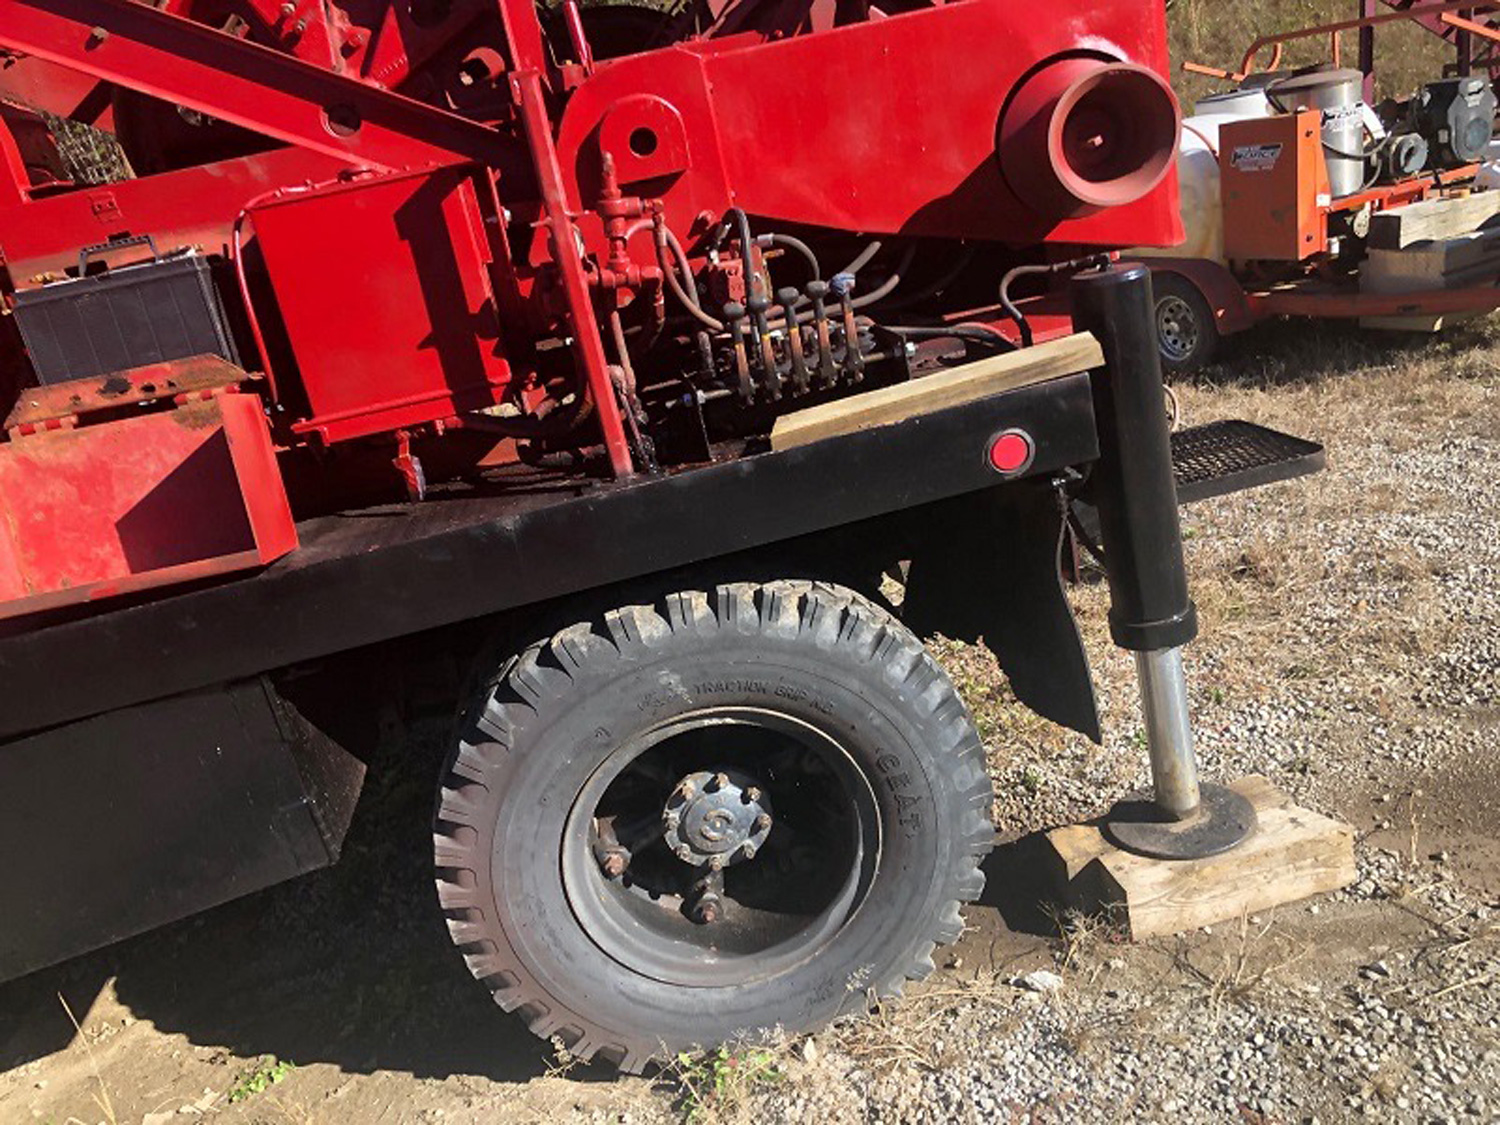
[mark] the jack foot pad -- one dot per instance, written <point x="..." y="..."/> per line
<point x="1224" y="819"/>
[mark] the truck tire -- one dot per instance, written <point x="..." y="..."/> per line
<point x="793" y="730"/>
<point x="1186" y="332"/>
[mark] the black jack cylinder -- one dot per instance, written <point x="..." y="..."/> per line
<point x="1132" y="485"/>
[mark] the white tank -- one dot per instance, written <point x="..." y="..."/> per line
<point x="1198" y="173"/>
<point x="1235" y="103"/>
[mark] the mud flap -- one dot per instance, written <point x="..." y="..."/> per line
<point x="987" y="568"/>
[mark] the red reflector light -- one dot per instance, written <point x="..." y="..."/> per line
<point x="1011" y="452"/>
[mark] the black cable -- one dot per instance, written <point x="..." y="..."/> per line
<point x="953" y="331"/>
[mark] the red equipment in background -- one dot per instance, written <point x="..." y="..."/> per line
<point x="463" y="232"/>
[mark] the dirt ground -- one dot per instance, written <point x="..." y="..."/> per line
<point x="1349" y="651"/>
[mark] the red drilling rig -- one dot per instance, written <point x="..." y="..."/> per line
<point x="329" y="325"/>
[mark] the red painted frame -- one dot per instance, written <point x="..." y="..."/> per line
<point x="796" y="126"/>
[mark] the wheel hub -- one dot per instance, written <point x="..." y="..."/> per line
<point x="716" y="817"/>
<point x="1176" y="327"/>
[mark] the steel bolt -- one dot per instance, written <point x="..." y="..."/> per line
<point x="706" y="912"/>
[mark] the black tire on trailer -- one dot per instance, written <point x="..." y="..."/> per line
<point x="795" y="724"/>
<point x="1186" y="332"/>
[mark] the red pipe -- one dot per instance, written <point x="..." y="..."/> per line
<point x="588" y="344"/>
<point x="1081" y="135"/>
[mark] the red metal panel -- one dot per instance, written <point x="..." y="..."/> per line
<point x="382" y="287"/>
<point x="884" y="126"/>
<point x="193" y="207"/>
<point x="148" y="501"/>
<point x="1434" y="302"/>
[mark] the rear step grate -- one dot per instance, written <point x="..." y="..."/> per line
<point x="1231" y="456"/>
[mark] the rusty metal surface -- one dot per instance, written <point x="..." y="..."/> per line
<point x="137" y="387"/>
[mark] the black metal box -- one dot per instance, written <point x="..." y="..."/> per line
<point x="150" y="312"/>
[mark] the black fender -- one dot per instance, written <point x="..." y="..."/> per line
<point x="986" y="566"/>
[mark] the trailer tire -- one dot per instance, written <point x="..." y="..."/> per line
<point x="1186" y="333"/>
<point x="872" y="774"/>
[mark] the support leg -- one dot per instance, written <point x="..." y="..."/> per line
<point x="1150" y="611"/>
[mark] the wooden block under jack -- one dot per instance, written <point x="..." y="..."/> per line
<point x="1293" y="854"/>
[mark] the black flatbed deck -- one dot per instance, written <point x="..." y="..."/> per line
<point x="378" y="573"/>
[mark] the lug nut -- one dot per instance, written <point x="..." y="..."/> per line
<point x="613" y="864"/>
<point x="684" y="852"/>
<point x="721" y="780"/>
<point x="688" y="788"/>
<point x="753" y="793"/>
<point x="716" y="863"/>
<point x="762" y="822"/>
<point x="749" y="850"/>
<point x="706" y="912"/>
<point x="672" y="820"/>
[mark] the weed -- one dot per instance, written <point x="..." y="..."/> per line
<point x="267" y="1073"/>
<point x="563" y="1060"/>
<point x="1031" y="780"/>
<point x="716" y="1083"/>
<point x="101" y="1099"/>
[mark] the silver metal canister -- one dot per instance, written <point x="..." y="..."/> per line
<point x="1335" y="93"/>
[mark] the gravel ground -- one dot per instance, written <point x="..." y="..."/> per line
<point x="1349" y="653"/>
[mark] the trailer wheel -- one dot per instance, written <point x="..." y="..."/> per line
<point x="1185" y="328"/>
<point x="703" y="819"/>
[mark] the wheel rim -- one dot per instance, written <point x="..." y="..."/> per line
<point x="807" y="872"/>
<point x="1176" y="328"/>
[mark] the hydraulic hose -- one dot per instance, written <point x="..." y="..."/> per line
<point x="975" y="332"/>
<point x="797" y="245"/>
<point x="933" y="288"/>
<point x="887" y="286"/>
<point x="1015" y="314"/>
<point x="863" y="259"/>
<point x="667" y="243"/>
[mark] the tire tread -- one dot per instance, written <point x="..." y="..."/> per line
<point x="827" y="617"/>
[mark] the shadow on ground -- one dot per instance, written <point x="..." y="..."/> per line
<point x="1018" y="886"/>
<point x="350" y="966"/>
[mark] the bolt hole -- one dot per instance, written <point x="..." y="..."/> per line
<point x="342" y="120"/>
<point x="643" y="141"/>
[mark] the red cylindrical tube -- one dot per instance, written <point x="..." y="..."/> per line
<point x="1082" y="134"/>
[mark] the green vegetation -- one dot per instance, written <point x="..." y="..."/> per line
<point x="267" y="1073"/>
<point x="716" y="1082"/>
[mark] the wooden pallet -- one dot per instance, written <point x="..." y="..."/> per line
<point x="1294" y="853"/>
